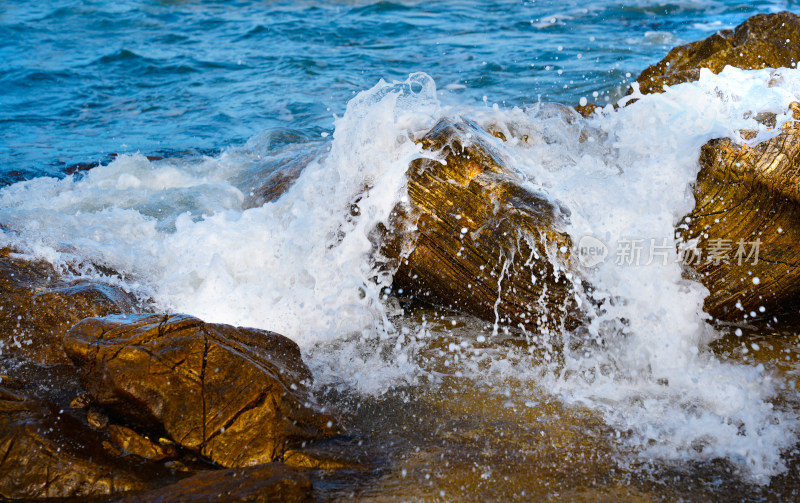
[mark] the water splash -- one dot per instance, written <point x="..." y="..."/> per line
<point x="302" y="264"/>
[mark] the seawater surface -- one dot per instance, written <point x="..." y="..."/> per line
<point x="648" y="401"/>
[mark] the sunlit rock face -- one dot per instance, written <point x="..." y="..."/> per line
<point x="477" y="237"/>
<point x="746" y="224"/>
<point x="763" y="41"/>
<point x="238" y="397"/>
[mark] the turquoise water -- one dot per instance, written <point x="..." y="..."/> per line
<point x="82" y="80"/>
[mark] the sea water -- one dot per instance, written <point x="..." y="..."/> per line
<point x="227" y="93"/>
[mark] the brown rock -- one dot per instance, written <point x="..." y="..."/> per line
<point x="272" y="482"/>
<point x="46" y="453"/>
<point x="588" y="109"/>
<point x="266" y="181"/>
<point x="748" y="195"/>
<point x="139" y="445"/>
<point x="81" y="401"/>
<point x="478" y="239"/>
<point x="96" y="419"/>
<point x="37" y="307"/>
<point x="276" y="181"/>
<point x="311" y="459"/>
<point x="762" y="41"/>
<point x="237" y="396"/>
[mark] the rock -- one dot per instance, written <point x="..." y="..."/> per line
<point x="762" y="41"/>
<point x="47" y="453"/>
<point x="81" y="401"/>
<point x="37" y="307"/>
<point x="96" y="419"/>
<point x="272" y="482"/>
<point x="139" y="445"/>
<point x="748" y="201"/>
<point x="478" y="238"/>
<point x="588" y="109"/>
<point x="314" y="459"/>
<point x="277" y="180"/>
<point x="236" y="396"/>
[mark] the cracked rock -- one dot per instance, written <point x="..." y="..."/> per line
<point x="45" y="453"/>
<point x="236" y="396"/>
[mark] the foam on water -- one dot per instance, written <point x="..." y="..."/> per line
<point x="643" y="360"/>
<point x="299" y="265"/>
<point x="302" y="264"/>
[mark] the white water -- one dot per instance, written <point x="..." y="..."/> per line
<point x="301" y="265"/>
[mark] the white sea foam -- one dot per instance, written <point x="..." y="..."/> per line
<point x="648" y="369"/>
<point x="301" y="265"/>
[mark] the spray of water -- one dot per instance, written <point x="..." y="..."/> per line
<point x="303" y="264"/>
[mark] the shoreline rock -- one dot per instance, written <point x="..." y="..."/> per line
<point x="762" y="41"/>
<point x="37" y="307"/>
<point x="236" y="396"/>
<point x="269" y="483"/>
<point x="748" y="209"/>
<point x="48" y="451"/>
<point x="476" y="238"/>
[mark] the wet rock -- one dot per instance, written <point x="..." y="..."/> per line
<point x="477" y="237"/>
<point x="588" y="109"/>
<point x="762" y="41"/>
<point x="307" y="459"/>
<point x="139" y="445"/>
<point x="236" y="396"/>
<point x="81" y="401"/>
<point x="47" y="453"/>
<point x="37" y="307"/>
<point x="96" y="419"/>
<point x="746" y="222"/>
<point x="276" y="181"/>
<point x="272" y="482"/>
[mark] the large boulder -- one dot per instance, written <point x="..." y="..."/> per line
<point x="477" y="237"/>
<point x="237" y="396"/>
<point x="37" y="307"/>
<point x="763" y="41"/>
<point x="746" y="223"/>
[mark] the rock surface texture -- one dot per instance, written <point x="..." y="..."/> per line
<point x="46" y="451"/>
<point x="477" y="237"/>
<point x="762" y="41"/>
<point x="235" y="396"/>
<point x="260" y="484"/>
<point x="747" y="225"/>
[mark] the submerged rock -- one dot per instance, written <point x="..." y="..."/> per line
<point x="762" y="41"/>
<point x="746" y="223"/>
<point x="37" y="307"/>
<point x="237" y="396"/>
<point x="273" y="482"/>
<point x="477" y="237"/>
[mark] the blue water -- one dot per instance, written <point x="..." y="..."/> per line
<point x="82" y="80"/>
